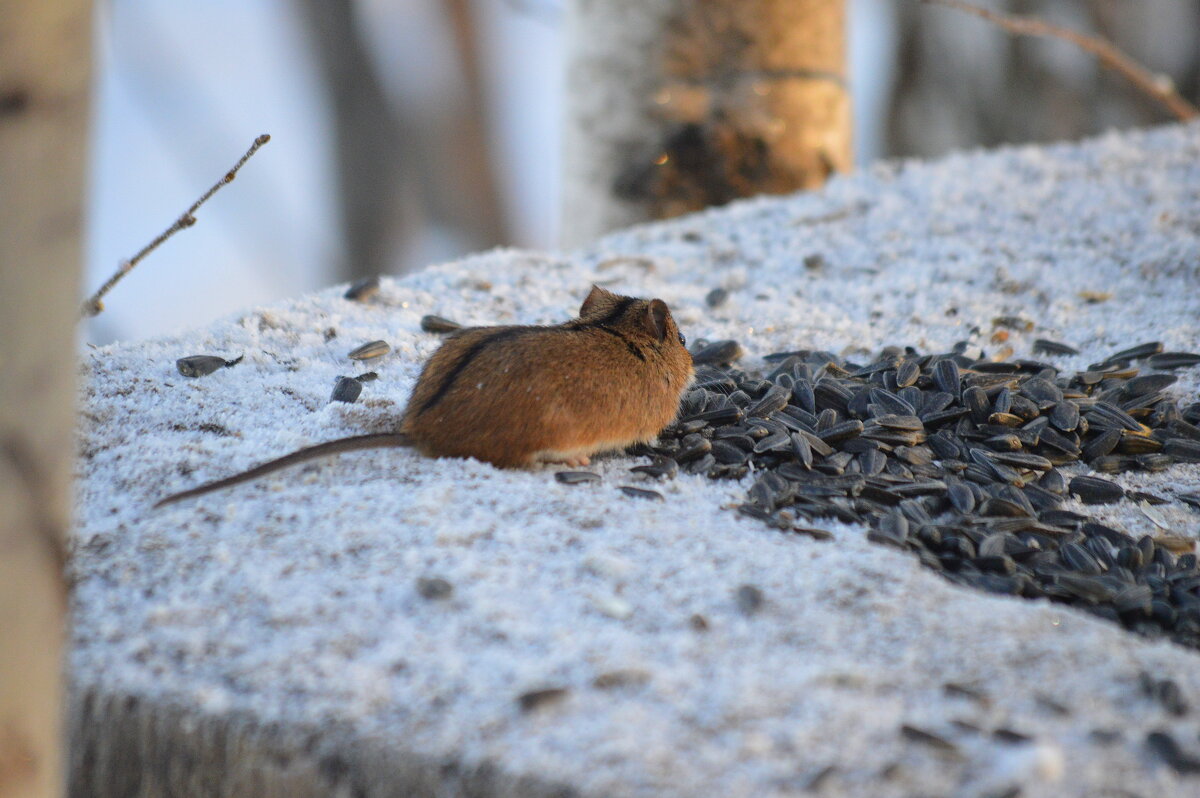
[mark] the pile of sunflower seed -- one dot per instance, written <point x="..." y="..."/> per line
<point x="956" y="459"/>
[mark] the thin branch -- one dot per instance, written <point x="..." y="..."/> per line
<point x="93" y="306"/>
<point x="1156" y="86"/>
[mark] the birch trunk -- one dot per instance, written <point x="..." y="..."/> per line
<point x="678" y="105"/>
<point x="44" y="73"/>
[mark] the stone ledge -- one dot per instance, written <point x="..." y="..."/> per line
<point x="277" y="625"/>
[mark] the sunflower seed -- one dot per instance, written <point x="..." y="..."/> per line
<point x="1165" y="746"/>
<point x="1101" y="445"/>
<point x="434" y="588"/>
<point x="1093" y="490"/>
<point x="576" y="477"/>
<point x="716" y="297"/>
<point x="370" y="350"/>
<point x="907" y="373"/>
<point x="363" y="290"/>
<point x="346" y="389"/>
<point x="718" y="353"/>
<point x="1136" y="352"/>
<point x="1048" y="347"/>
<point x="437" y="324"/>
<point x="838" y="432"/>
<point x="1173" y="360"/>
<point x="641" y="493"/>
<point x="775" y="399"/>
<point x="203" y="365"/>
<point x="1183" y="450"/>
<point x="947" y="377"/>
<point x="749" y="599"/>
<point x="537" y="699"/>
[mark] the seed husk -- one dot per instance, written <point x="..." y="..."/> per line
<point x="749" y="599"/>
<point x="1102" y="444"/>
<point x="641" y="493"/>
<point x="363" y="289"/>
<point x="346" y="389"/>
<point x="434" y="588"/>
<point x="203" y="365"/>
<point x="1186" y="451"/>
<point x="536" y="699"/>
<point x="716" y="297"/>
<point x="1047" y="347"/>
<point x="370" y="350"/>
<point x="1173" y="360"/>
<point x="576" y="477"/>
<point x="907" y="373"/>
<point x="437" y="324"/>
<point x="718" y="353"/>
<point x="1167" y="749"/>
<point x="1136" y="352"/>
<point x="893" y="421"/>
<point x="838" y="432"/>
<point x="774" y="399"/>
<point x="1093" y="490"/>
<point x="930" y="739"/>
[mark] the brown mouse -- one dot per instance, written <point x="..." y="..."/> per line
<point x="521" y="395"/>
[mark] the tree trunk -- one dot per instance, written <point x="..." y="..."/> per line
<point x="678" y="105"/>
<point x="44" y="74"/>
<point x="963" y="82"/>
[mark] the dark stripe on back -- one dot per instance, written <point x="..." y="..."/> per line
<point x="633" y="349"/>
<point x="617" y="312"/>
<point x="465" y="361"/>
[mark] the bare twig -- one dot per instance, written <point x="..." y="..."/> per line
<point x="93" y="306"/>
<point x="1156" y="86"/>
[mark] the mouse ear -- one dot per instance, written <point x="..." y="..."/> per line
<point x="597" y="299"/>
<point x="656" y="318"/>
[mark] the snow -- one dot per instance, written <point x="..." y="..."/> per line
<point x="294" y="599"/>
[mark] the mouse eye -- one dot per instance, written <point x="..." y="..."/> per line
<point x="682" y="340"/>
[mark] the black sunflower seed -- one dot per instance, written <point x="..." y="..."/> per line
<point x="907" y="373"/>
<point x="641" y="493"/>
<point x="1173" y="360"/>
<point x="718" y="353"/>
<point x="346" y="389"/>
<point x="1048" y="347"/>
<point x="1136" y="352"/>
<point x="1093" y="490"/>
<point x="363" y="290"/>
<point x="576" y="477"/>
<point x="203" y="365"/>
<point x="370" y="350"/>
<point x="947" y="377"/>
<point x="716" y="297"/>
<point x="437" y="324"/>
<point x="1186" y="451"/>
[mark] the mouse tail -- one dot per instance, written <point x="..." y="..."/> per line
<point x="374" y="441"/>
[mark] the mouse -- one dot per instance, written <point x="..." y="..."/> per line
<point x="518" y="396"/>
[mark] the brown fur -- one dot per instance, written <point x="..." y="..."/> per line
<point x="516" y="396"/>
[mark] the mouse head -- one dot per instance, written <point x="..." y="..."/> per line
<point x="645" y="318"/>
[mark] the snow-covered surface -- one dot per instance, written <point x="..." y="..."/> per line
<point x="295" y="599"/>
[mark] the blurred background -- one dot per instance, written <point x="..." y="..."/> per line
<point x="409" y="132"/>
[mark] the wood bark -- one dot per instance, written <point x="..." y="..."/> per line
<point x="44" y="75"/>
<point x="397" y="170"/>
<point x="678" y="105"/>
<point x="123" y="747"/>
